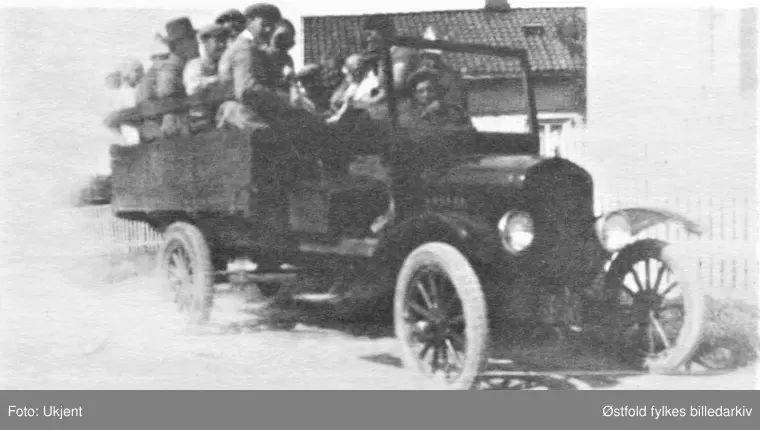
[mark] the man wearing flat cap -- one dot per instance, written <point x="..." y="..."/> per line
<point x="234" y="21"/>
<point x="201" y="74"/>
<point x="260" y="20"/>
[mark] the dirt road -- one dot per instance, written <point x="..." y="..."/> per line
<point x="64" y="327"/>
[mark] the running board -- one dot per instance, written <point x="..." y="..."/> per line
<point x="347" y="247"/>
<point x="317" y="297"/>
<point x="261" y="277"/>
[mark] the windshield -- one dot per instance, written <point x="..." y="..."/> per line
<point x="447" y="85"/>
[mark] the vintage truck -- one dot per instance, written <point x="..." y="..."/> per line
<point x="497" y="229"/>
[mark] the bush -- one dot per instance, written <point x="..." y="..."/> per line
<point x="96" y="192"/>
<point x="731" y="334"/>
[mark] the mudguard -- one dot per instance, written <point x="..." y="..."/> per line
<point x="642" y="218"/>
<point x="477" y="239"/>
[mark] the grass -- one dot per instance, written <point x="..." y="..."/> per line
<point x="731" y="338"/>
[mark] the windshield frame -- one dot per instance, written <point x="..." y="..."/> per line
<point x="496" y="51"/>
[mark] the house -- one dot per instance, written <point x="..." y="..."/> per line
<point x="496" y="92"/>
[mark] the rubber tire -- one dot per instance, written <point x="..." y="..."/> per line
<point x="690" y="335"/>
<point x="470" y="291"/>
<point x="192" y="239"/>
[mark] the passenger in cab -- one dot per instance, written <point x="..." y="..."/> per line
<point x="450" y="86"/>
<point x="429" y="107"/>
<point x="340" y="102"/>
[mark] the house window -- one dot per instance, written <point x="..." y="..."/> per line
<point x="554" y="126"/>
<point x="554" y="130"/>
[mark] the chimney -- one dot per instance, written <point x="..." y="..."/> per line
<point x="497" y="6"/>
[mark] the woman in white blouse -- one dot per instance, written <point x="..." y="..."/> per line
<point x="124" y="84"/>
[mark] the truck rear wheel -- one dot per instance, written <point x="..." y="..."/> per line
<point x="186" y="269"/>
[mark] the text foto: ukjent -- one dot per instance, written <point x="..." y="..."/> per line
<point x="47" y="411"/>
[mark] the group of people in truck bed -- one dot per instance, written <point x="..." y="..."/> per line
<point x="242" y="60"/>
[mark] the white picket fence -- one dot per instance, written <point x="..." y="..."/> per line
<point x="117" y="235"/>
<point x="725" y="257"/>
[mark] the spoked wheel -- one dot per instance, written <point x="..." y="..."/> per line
<point x="440" y="316"/>
<point x="658" y="311"/>
<point x="188" y="271"/>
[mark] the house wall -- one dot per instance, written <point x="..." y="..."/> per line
<point x="500" y="105"/>
<point x="507" y="97"/>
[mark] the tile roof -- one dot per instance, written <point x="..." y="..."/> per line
<point x="331" y="34"/>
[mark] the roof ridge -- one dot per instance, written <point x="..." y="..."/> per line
<point x="464" y="25"/>
<point x="447" y="11"/>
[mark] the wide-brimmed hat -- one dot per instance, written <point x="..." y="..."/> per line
<point x="263" y="10"/>
<point x="422" y="75"/>
<point x="180" y="28"/>
<point x="158" y="47"/>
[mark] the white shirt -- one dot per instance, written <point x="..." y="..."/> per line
<point x="247" y="34"/>
<point x="124" y="97"/>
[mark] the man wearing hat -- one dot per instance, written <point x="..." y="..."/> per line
<point x="183" y="47"/>
<point x="260" y="20"/>
<point x="234" y="21"/>
<point x="258" y="105"/>
<point x="159" y="53"/>
<point x="451" y="84"/>
<point x="201" y="72"/>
